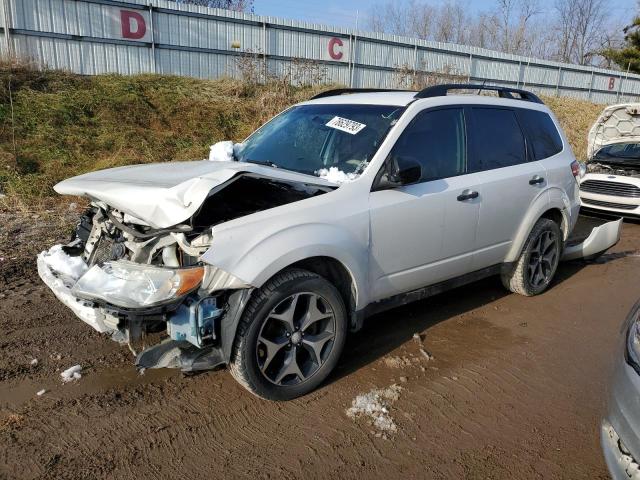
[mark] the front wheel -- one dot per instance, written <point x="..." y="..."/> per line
<point x="535" y="268"/>
<point x="290" y="337"/>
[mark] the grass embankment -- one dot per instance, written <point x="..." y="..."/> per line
<point x="64" y="124"/>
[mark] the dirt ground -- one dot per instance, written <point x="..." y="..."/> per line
<point x="515" y="387"/>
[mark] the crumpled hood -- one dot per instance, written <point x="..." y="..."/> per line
<point x="616" y="124"/>
<point x="165" y="194"/>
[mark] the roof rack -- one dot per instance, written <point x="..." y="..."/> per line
<point x="343" y="91"/>
<point x="503" y="92"/>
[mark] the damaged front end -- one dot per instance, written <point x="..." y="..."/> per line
<point x="146" y="283"/>
<point x="139" y="284"/>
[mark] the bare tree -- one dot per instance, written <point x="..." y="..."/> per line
<point x="573" y="31"/>
<point x="579" y="29"/>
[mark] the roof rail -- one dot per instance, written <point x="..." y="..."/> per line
<point x="343" y="91"/>
<point x="503" y="92"/>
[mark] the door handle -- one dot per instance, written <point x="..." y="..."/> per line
<point x="467" y="195"/>
<point x="536" y="180"/>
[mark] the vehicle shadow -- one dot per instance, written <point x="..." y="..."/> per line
<point x="384" y="332"/>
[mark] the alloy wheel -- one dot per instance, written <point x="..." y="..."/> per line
<point x="543" y="258"/>
<point x="296" y="339"/>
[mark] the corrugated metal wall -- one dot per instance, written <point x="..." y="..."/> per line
<point x="137" y="36"/>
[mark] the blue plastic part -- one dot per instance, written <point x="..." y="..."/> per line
<point x="194" y="321"/>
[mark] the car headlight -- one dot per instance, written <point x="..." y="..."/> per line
<point x="633" y="344"/>
<point x="132" y="285"/>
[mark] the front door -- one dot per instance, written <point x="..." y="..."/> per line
<point x="424" y="233"/>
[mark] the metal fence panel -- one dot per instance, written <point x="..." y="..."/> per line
<point x="137" y="36"/>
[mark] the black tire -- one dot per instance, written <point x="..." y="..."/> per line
<point x="265" y="324"/>
<point x="533" y="272"/>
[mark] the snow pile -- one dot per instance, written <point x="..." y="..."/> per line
<point x="375" y="405"/>
<point x="225" y="151"/>
<point x="71" y="373"/>
<point x="70" y="267"/>
<point x="41" y="392"/>
<point x="34" y="362"/>
<point x="335" y="175"/>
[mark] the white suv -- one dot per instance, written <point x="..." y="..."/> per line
<point x="339" y="207"/>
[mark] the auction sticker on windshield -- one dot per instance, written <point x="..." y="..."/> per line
<point x="346" y="125"/>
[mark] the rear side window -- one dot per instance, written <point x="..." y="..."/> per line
<point x="437" y="140"/>
<point x="497" y="139"/>
<point x="542" y="133"/>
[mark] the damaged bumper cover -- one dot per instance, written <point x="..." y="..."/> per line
<point x="60" y="283"/>
<point x="600" y="238"/>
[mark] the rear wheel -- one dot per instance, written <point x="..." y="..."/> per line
<point x="290" y="336"/>
<point x="535" y="268"/>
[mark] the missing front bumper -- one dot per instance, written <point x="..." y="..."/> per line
<point x="193" y="324"/>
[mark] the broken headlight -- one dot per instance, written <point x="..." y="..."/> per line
<point x="132" y="285"/>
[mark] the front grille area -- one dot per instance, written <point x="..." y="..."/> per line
<point x="621" y="206"/>
<point x="103" y="251"/>
<point x="617" y="189"/>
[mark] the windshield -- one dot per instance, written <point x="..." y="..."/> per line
<point x="310" y="138"/>
<point x="619" y="153"/>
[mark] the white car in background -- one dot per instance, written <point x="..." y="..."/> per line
<point x="612" y="181"/>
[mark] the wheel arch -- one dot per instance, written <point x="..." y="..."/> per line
<point x="554" y="207"/>
<point x="337" y="274"/>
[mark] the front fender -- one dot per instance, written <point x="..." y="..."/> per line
<point x="552" y="198"/>
<point x="259" y="259"/>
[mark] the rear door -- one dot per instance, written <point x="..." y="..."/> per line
<point x="510" y="178"/>
<point x="548" y="148"/>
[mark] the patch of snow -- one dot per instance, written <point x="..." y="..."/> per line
<point x="397" y="362"/>
<point x="335" y="175"/>
<point x="71" y="373"/>
<point x="34" y="362"/>
<point x="41" y="392"/>
<point x="375" y="405"/>
<point x="426" y="354"/>
<point x="224" y="151"/>
<point x="70" y="267"/>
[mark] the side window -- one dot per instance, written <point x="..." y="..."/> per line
<point x="497" y="139"/>
<point x="542" y="133"/>
<point x="437" y="140"/>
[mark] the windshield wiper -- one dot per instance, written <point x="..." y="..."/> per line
<point x="262" y="162"/>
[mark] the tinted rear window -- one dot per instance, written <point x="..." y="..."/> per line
<point x="497" y="138"/>
<point x="542" y="133"/>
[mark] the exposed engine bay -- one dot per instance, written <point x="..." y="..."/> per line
<point x="144" y="284"/>
<point x="595" y="166"/>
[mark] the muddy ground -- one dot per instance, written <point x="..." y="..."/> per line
<point x="515" y="389"/>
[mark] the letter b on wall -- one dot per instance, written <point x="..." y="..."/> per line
<point x="134" y="26"/>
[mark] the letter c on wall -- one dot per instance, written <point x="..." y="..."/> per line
<point x="133" y="25"/>
<point x="336" y="55"/>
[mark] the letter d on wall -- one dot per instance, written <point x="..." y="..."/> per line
<point x="133" y="25"/>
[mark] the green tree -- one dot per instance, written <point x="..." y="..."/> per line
<point x="628" y="56"/>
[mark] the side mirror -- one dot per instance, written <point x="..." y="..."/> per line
<point x="400" y="171"/>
